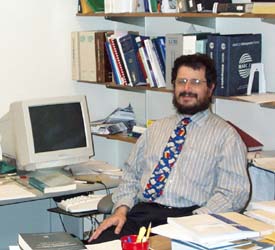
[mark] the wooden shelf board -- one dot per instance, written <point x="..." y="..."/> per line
<point x="119" y="137"/>
<point x="188" y="15"/>
<point x="99" y="83"/>
<point x="266" y="100"/>
<point x="137" y="88"/>
<point x="270" y="105"/>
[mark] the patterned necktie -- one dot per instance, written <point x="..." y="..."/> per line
<point x="155" y="186"/>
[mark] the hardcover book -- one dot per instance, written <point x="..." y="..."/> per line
<point x="96" y="5"/>
<point x="49" y="241"/>
<point x="130" y="50"/>
<point x="104" y="70"/>
<point x="52" y="182"/>
<point x="233" y="7"/>
<point x="233" y="56"/>
<point x="117" y="60"/>
<point x="264" y="8"/>
<point x="87" y="56"/>
<point x="207" y="230"/>
<point x="251" y="143"/>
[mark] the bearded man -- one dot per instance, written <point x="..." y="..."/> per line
<point x="192" y="162"/>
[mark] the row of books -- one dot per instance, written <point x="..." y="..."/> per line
<point x="131" y="6"/>
<point x="140" y="60"/>
<point x="89" y="58"/>
<point x="121" y="6"/>
<point x="136" y="60"/>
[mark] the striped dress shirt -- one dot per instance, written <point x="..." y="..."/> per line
<point x="211" y="170"/>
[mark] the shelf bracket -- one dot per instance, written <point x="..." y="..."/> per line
<point x="203" y="21"/>
<point x="138" y="21"/>
<point x="268" y="20"/>
<point x="270" y="105"/>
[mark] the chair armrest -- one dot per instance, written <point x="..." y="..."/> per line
<point x="105" y="205"/>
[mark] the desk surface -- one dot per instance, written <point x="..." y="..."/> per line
<point x="158" y="242"/>
<point x="107" y="180"/>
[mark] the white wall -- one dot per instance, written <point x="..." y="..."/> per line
<point x="35" y="57"/>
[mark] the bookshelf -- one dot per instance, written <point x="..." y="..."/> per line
<point x="157" y="24"/>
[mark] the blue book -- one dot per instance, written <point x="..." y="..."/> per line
<point x="212" y="47"/>
<point x="159" y="44"/>
<point x="130" y="50"/>
<point x="111" y="60"/>
<point x="146" y="5"/>
<point x="236" y="53"/>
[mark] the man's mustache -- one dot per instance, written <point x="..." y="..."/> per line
<point x="184" y="93"/>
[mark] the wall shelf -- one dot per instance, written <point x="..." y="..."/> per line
<point x="203" y="19"/>
<point x="137" y="88"/>
<point x="119" y="137"/>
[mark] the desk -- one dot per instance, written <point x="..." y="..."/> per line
<point x="158" y="242"/>
<point x="31" y="215"/>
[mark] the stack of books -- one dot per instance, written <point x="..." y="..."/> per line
<point x="263" y="211"/>
<point x="215" y="231"/>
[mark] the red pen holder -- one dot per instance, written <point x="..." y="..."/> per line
<point x="128" y="242"/>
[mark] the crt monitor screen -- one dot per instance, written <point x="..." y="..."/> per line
<point x="57" y="127"/>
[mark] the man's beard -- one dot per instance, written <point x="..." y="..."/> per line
<point x="191" y="110"/>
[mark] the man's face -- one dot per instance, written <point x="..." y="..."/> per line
<point x="191" y="93"/>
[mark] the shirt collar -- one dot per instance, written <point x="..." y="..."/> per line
<point x="197" y="118"/>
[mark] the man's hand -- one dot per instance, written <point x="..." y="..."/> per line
<point x="118" y="219"/>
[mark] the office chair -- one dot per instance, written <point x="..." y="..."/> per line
<point x="105" y="205"/>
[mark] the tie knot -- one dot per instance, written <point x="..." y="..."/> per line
<point x="186" y="120"/>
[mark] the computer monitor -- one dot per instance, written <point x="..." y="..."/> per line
<point x="46" y="133"/>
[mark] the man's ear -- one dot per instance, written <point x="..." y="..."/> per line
<point x="212" y="88"/>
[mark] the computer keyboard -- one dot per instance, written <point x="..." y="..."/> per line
<point x="80" y="203"/>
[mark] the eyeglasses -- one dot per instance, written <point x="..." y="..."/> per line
<point x="193" y="81"/>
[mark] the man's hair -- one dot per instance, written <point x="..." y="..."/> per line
<point x="196" y="62"/>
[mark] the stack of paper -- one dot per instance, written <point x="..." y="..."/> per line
<point x="13" y="190"/>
